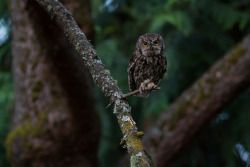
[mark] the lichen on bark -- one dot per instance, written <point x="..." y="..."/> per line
<point x="24" y="132"/>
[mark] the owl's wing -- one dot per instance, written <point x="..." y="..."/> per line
<point x="132" y="61"/>
<point x="131" y="67"/>
<point x="163" y="65"/>
<point x="165" y="62"/>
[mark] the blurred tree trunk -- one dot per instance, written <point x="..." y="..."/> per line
<point x="54" y="121"/>
<point x="199" y="104"/>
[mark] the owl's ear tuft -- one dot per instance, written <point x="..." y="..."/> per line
<point x="139" y="41"/>
<point x="160" y="38"/>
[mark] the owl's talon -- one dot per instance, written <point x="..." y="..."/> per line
<point x="142" y="87"/>
<point x="151" y="85"/>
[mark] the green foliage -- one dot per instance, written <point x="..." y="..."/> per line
<point x="6" y="89"/>
<point x="178" y="19"/>
<point x="6" y="96"/>
<point x="6" y="102"/>
<point x="3" y="8"/>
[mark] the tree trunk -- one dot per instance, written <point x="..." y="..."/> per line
<point x="54" y="121"/>
<point x="196" y="106"/>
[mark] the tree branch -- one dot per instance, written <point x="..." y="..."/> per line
<point x="102" y="78"/>
<point x="200" y="103"/>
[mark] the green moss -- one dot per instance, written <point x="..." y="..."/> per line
<point x="125" y="110"/>
<point x="107" y="72"/>
<point x="140" y="134"/>
<point x="36" y="89"/>
<point x="22" y="131"/>
<point x="34" y="96"/>
<point x="237" y="53"/>
<point x="22" y="67"/>
<point x="78" y="47"/>
<point x="187" y="102"/>
<point x="115" y="110"/>
<point x="38" y="129"/>
<point x="202" y="94"/>
<point x="27" y="53"/>
<point x="38" y="86"/>
<point x="211" y="82"/>
<point x="116" y="82"/>
<point x="178" y="115"/>
<point x="8" y="142"/>
<point x="56" y="103"/>
<point x="134" y="161"/>
<point x="49" y="7"/>
<point x="127" y="126"/>
<point x="134" y="142"/>
<point x="34" y="64"/>
<point x="21" y="38"/>
<point x="29" y="129"/>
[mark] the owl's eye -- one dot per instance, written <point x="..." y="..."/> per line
<point x="156" y="43"/>
<point x="145" y="44"/>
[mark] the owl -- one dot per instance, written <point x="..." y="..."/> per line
<point x="147" y="65"/>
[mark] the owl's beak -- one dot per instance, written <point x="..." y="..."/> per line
<point x="151" y="48"/>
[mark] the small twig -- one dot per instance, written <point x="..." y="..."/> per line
<point x="108" y="105"/>
<point x="137" y="91"/>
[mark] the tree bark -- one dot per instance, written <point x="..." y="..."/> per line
<point x="54" y="122"/>
<point x="199" y="104"/>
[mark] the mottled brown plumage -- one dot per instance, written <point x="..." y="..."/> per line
<point x="148" y="64"/>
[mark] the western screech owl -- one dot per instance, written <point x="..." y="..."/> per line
<point x="147" y="65"/>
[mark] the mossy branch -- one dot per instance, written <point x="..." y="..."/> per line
<point x="101" y="77"/>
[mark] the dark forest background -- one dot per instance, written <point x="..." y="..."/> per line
<point x="197" y="33"/>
